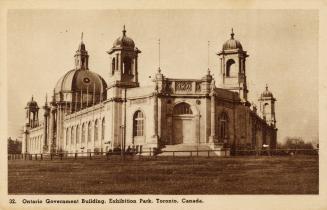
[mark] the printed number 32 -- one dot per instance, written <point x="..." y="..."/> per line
<point x="12" y="201"/>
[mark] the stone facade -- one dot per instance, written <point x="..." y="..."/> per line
<point x="87" y="115"/>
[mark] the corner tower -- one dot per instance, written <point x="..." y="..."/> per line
<point x="232" y="67"/>
<point x="267" y="107"/>
<point x="32" y="114"/>
<point x="123" y="60"/>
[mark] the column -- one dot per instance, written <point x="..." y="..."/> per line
<point x="92" y="137"/>
<point x="155" y="118"/>
<point x="136" y="72"/>
<point x="41" y="144"/>
<point x="57" y="128"/>
<point x="159" y="120"/>
<point x="75" y="138"/>
<point x="61" y="126"/>
<point x="117" y="62"/>
<point x="51" y="128"/>
<point x="24" y="142"/>
<point x="213" y="121"/>
<point x="59" y="145"/>
<point x="45" y="131"/>
<point x="133" y="66"/>
<point x="33" y="145"/>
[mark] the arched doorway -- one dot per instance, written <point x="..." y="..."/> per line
<point x="183" y="124"/>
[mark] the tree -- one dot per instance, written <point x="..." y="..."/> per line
<point x="14" y="146"/>
<point x="296" y="143"/>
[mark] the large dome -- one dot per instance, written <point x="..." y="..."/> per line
<point x="124" y="41"/>
<point x="232" y="43"/>
<point x="80" y="80"/>
<point x="80" y="84"/>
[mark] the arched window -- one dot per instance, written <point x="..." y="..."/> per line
<point x="83" y="133"/>
<point x="265" y="110"/>
<point x="77" y="134"/>
<point x="127" y="66"/>
<point x="83" y="62"/>
<point x="223" y="127"/>
<point x="103" y="128"/>
<point x="138" y="124"/>
<point x="89" y="132"/>
<point x="67" y="136"/>
<point x="230" y="69"/>
<point x="182" y="108"/>
<point x="72" y="136"/>
<point x="96" y="127"/>
<point x="113" y="65"/>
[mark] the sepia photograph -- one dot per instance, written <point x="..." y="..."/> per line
<point x="161" y="102"/>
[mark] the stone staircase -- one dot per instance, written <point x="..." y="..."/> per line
<point x="193" y="150"/>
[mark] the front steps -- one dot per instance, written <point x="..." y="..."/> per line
<point x="194" y="150"/>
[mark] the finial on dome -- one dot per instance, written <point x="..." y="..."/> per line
<point x="46" y="99"/>
<point x="81" y="46"/>
<point x="124" y="31"/>
<point x="266" y="86"/>
<point x="232" y="34"/>
<point x="32" y="98"/>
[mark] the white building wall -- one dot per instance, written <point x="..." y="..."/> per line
<point x="146" y="106"/>
<point x="34" y="140"/>
<point x="86" y="117"/>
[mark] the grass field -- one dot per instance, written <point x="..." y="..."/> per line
<point x="232" y="175"/>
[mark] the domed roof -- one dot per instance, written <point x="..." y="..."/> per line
<point x="32" y="103"/>
<point x="267" y="93"/>
<point x="232" y="43"/>
<point x="124" y="41"/>
<point x="78" y="80"/>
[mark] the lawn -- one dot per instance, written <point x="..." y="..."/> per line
<point x="163" y="175"/>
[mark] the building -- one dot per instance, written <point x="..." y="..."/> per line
<point x="88" y="113"/>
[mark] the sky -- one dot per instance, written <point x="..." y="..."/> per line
<point x="282" y="44"/>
